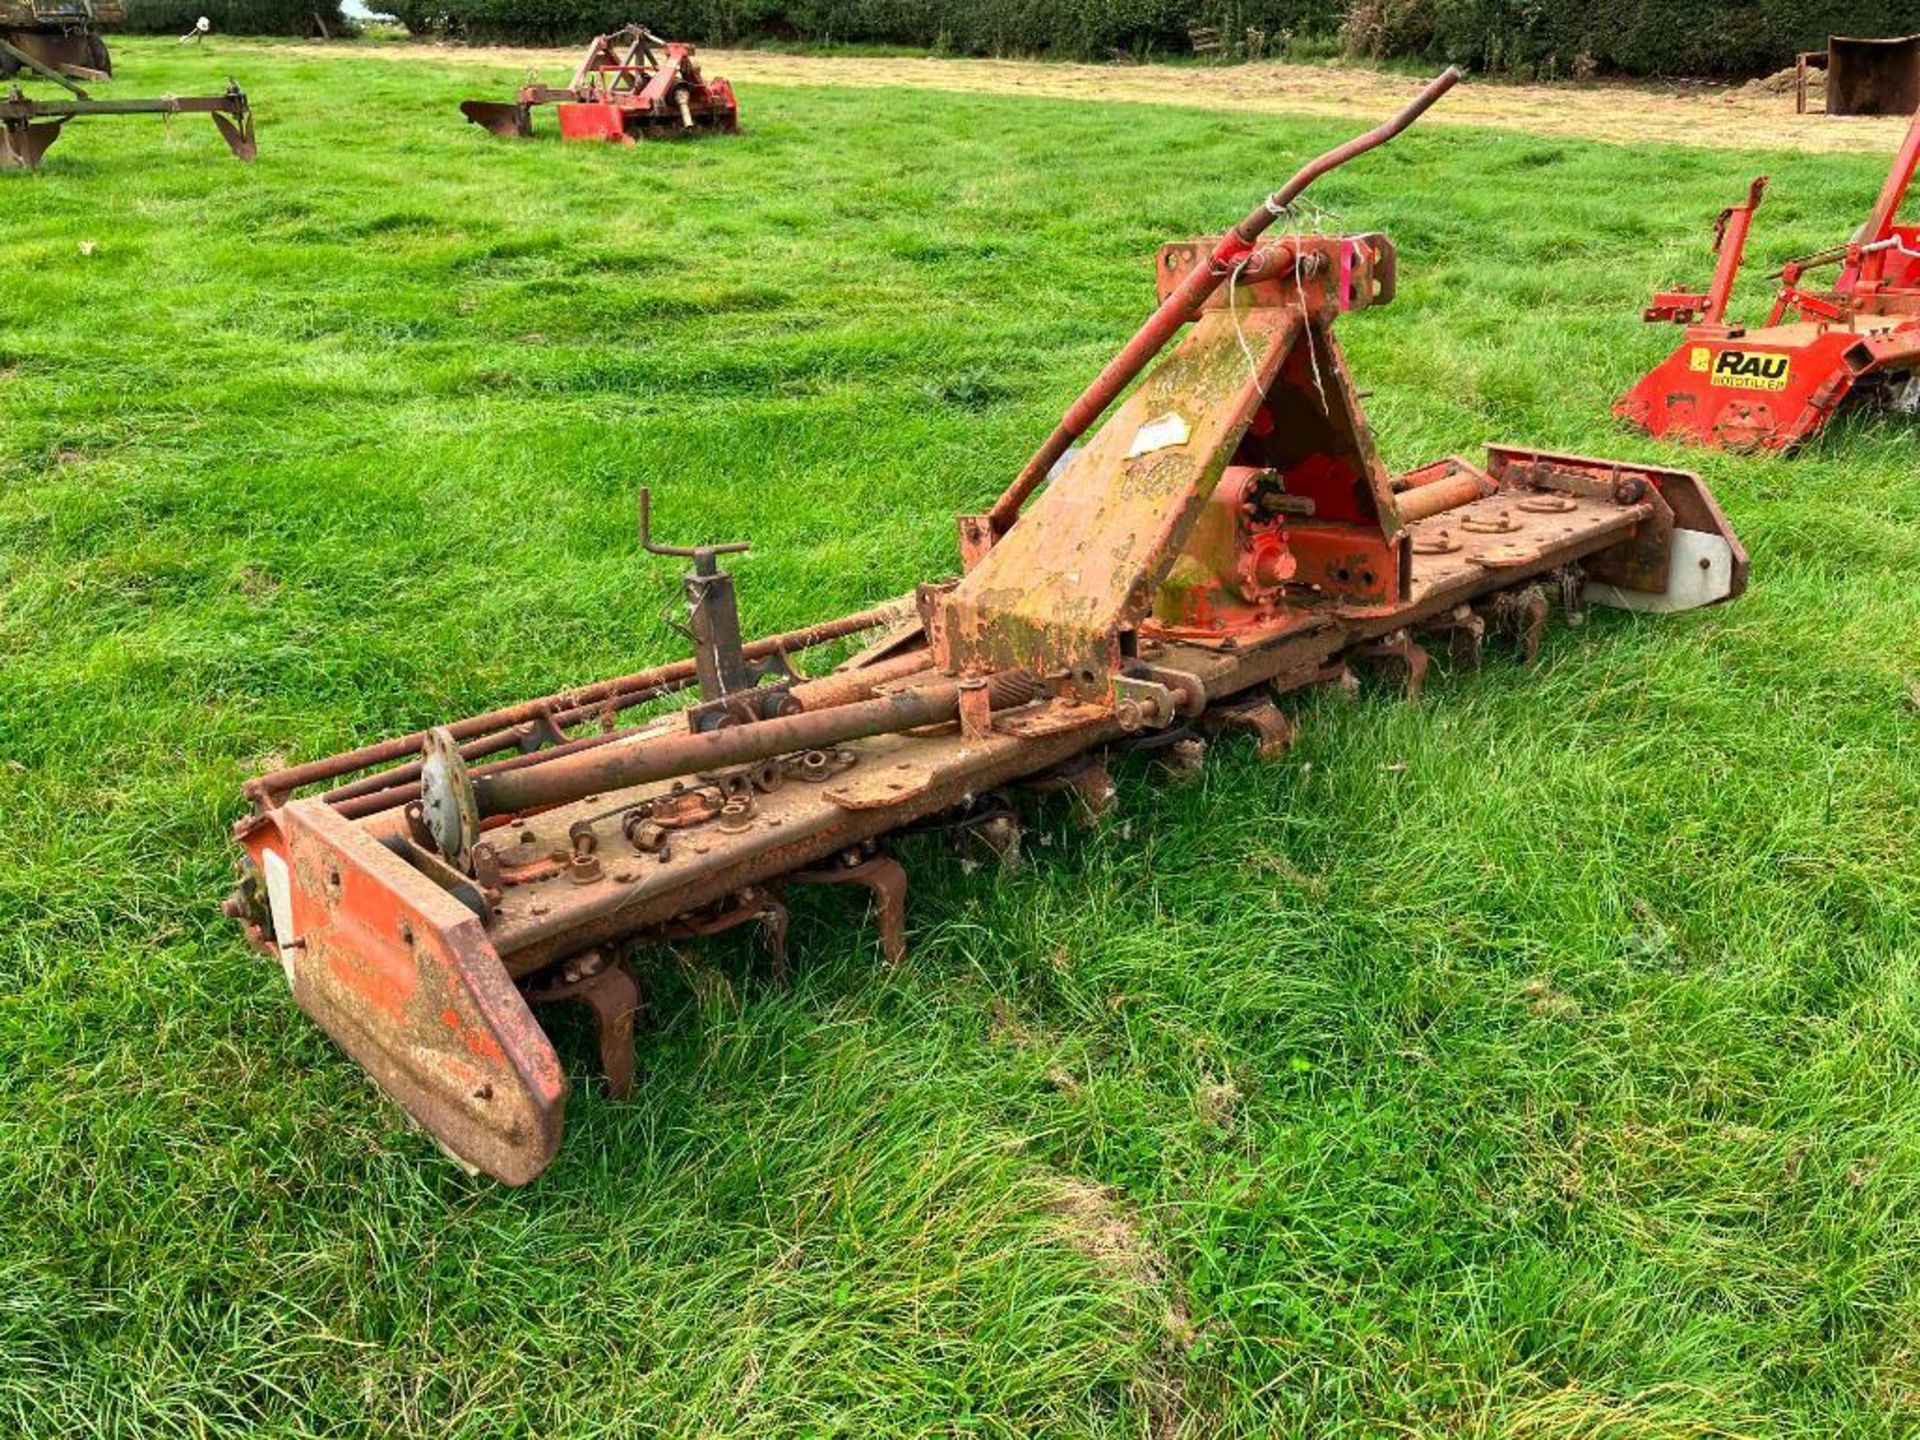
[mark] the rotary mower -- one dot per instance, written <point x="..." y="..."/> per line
<point x="59" y="42"/>
<point x="630" y="85"/>
<point x="1228" y="535"/>
<point x="1776" y="385"/>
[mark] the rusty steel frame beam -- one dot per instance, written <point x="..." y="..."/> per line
<point x="272" y="789"/>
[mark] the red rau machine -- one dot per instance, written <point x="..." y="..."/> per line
<point x="1226" y="537"/>
<point x="1775" y="385"/>
<point x="631" y="84"/>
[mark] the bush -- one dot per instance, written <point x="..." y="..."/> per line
<point x="1549" y="38"/>
<point x="1546" y="38"/>
<point x="233" y="17"/>
<point x="1087" y="29"/>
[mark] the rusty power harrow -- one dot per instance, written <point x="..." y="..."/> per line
<point x="1226" y="536"/>
<point x="630" y="85"/>
<point x="1775" y="386"/>
<point x="59" y="42"/>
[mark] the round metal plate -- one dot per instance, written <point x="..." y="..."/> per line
<point x="1435" y="542"/>
<point x="447" y="801"/>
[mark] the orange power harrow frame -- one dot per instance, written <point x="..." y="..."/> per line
<point x="1228" y="535"/>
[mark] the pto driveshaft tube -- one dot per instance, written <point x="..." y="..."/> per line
<point x="614" y="767"/>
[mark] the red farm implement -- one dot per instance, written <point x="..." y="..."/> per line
<point x="1776" y="385"/>
<point x="631" y="84"/>
<point x="1227" y="536"/>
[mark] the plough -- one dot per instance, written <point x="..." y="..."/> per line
<point x="1777" y="385"/>
<point x="59" y="41"/>
<point x="630" y="84"/>
<point x="1228" y="535"/>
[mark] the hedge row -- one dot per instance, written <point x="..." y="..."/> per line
<point x="1718" y="38"/>
<point x="1529" y="37"/>
<point x="233" y="17"/>
<point x="1085" y="29"/>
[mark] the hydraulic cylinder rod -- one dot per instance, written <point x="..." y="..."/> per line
<point x="1192" y="292"/>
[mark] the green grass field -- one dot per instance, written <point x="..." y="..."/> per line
<point x="1540" y="1060"/>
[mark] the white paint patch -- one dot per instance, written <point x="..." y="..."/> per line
<point x="1700" y="573"/>
<point x="1170" y="429"/>
<point x="280" y="901"/>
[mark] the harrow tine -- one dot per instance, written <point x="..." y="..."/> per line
<point x="775" y="919"/>
<point x="1185" y="759"/>
<point x="613" y="995"/>
<point x="1090" y="784"/>
<point x="1405" y="654"/>
<point x="1521" y="615"/>
<point x="886" y="878"/>
<point x="1465" y="634"/>
<point x="754" y="905"/>
<point x="1001" y="835"/>
<point x="1266" y="722"/>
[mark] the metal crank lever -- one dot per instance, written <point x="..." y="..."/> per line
<point x="730" y="688"/>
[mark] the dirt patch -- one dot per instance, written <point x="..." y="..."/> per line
<point x="1097" y="1222"/>
<point x="1722" y="117"/>
<point x="1005" y="1026"/>
<point x="1787" y="82"/>
<point x="1097" y="1225"/>
<point x="1217" y="1104"/>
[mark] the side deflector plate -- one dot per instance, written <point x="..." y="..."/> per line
<point x="404" y="978"/>
<point x="1701" y="573"/>
<point x="1688" y="559"/>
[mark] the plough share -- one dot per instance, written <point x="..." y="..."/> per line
<point x="1228" y="535"/>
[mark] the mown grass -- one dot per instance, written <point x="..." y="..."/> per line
<point x="1540" y="1060"/>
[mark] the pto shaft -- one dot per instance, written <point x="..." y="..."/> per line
<point x="614" y="767"/>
